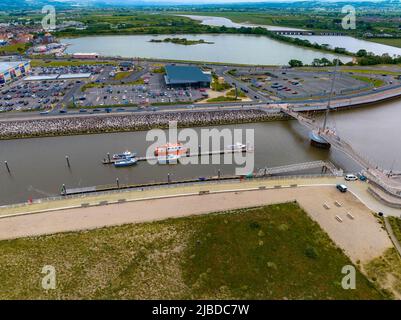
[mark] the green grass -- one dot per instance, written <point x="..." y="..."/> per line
<point x="375" y="82"/>
<point x="170" y="103"/>
<point x="370" y="71"/>
<point x="182" y="41"/>
<point x="395" y="42"/>
<point x="217" y="86"/>
<point x="159" y="70"/>
<point x="396" y="226"/>
<point x="122" y="75"/>
<point x="77" y="106"/>
<point x="385" y="271"/>
<point x="102" y="85"/>
<point x="239" y="93"/>
<point x="17" y="48"/>
<point x="223" y="99"/>
<point x="271" y="252"/>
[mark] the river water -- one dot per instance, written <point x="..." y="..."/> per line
<point x="229" y="48"/>
<point x="38" y="166"/>
<point x="349" y="43"/>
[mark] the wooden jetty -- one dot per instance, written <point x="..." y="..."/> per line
<point x="109" y="160"/>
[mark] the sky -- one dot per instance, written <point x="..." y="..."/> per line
<point x="223" y="1"/>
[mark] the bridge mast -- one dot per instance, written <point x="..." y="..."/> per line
<point x="330" y="96"/>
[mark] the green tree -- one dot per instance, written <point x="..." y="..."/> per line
<point x="295" y="63"/>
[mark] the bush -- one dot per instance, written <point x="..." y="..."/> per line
<point x="311" y="252"/>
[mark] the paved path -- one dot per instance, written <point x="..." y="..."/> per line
<point x="361" y="236"/>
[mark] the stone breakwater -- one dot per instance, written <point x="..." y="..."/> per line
<point x="118" y="123"/>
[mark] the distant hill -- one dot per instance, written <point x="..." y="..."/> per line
<point x="217" y="4"/>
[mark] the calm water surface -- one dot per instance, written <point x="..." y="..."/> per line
<point x="350" y="43"/>
<point x="39" y="167"/>
<point x="230" y="48"/>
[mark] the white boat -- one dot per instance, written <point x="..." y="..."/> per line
<point x="170" y="159"/>
<point x="127" y="162"/>
<point x="124" y="155"/>
<point x="236" y="146"/>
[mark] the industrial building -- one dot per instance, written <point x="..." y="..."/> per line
<point x="186" y="76"/>
<point x="10" y="70"/>
<point x="81" y="55"/>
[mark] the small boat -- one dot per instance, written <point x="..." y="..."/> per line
<point x="236" y="146"/>
<point x="125" y="162"/>
<point x="124" y="155"/>
<point x="171" y="148"/>
<point x="169" y="159"/>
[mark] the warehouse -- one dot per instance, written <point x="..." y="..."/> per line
<point x="10" y="70"/>
<point x="186" y="76"/>
<point x="81" y="55"/>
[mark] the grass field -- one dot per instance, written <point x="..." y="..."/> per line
<point x="272" y="252"/>
<point x="370" y="71"/>
<point x="396" y="226"/>
<point x="375" y="82"/>
<point x="239" y="93"/>
<point x="222" y="99"/>
<point x="18" y="48"/>
<point x="386" y="270"/>
<point x="122" y="75"/>
<point x="395" y="42"/>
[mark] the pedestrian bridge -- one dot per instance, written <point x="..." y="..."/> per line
<point x="385" y="179"/>
<point x="324" y="165"/>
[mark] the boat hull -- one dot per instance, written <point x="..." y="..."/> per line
<point x="125" y="163"/>
<point x="318" y="141"/>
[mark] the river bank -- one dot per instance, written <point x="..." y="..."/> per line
<point x="20" y="129"/>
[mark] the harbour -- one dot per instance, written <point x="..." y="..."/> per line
<point x="110" y="160"/>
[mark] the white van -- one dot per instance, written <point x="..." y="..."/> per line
<point x="351" y="177"/>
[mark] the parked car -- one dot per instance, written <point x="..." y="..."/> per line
<point x="342" y="188"/>
<point x="351" y="177"/>
<point x="362" y="177"/>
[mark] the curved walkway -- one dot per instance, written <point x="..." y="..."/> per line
<point x="347" y="221"/>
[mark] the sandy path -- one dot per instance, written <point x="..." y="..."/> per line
<point x="361" y="238"/>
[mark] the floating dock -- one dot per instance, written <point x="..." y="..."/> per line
<point x="109" y="160"/>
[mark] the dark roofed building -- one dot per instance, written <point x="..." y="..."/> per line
<point x="126" y="65"/>
<point x="183" y="76"/>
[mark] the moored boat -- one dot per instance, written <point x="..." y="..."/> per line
<point x="171" y="148"/>
<point x="125" y="162"/>
<point x="169" y="159"/>
<point x="236" y="146"/>
<point x="124" y="155"/>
